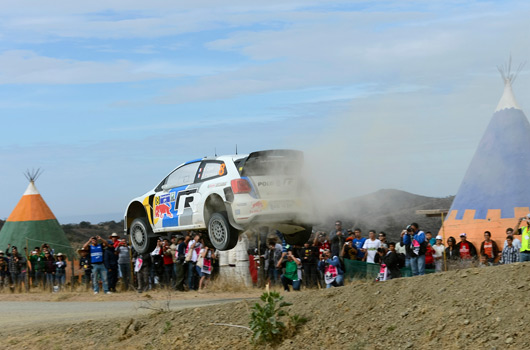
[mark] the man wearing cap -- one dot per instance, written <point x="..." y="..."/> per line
<point x="96" y="246"/>
<point x="115" y="238"/>
<point x="467" y="250"/>
<point x="525" y="238"/>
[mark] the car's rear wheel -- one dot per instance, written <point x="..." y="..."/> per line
<point x="221" y="234"/>
<point x="299" y="238"/>
<point x="142" y="238"/>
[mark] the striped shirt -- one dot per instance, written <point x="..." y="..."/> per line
<point x="510" y="255"/>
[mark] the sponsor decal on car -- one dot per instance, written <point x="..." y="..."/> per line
<point x="163" y="210"/>
<point x="258" y="207"/>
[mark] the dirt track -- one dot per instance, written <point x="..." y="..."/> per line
<point x="15" y="315"/>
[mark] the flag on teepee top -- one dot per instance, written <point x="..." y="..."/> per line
<point x="32" y="223"/>
<point x="495" y="191"/>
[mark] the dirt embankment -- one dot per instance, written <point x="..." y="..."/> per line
<point x="467" y="309"/>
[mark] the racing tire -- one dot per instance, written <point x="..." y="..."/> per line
<point x="142" y="238"/>
<point x="299" y="238"/>
<point x="221" y="234"/>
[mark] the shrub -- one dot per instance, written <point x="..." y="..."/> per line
<point x="266" y="321"/>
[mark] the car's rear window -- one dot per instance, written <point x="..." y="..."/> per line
<point x="272" y="163"/>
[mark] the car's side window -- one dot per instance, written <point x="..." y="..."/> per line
<point x="211" y="170"/>
<point x="185" y="175"/>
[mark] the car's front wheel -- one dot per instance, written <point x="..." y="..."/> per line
<point x="142" y="238"/>
<point x="222" y="235"/>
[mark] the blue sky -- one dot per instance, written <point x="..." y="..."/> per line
<point x="108" y="97"/>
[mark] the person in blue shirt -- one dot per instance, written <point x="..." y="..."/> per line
<point x="358" y="242"/>
<point x="415" y="245"/>
<point x="430" y="238"/>
<point x="96" y="246"/>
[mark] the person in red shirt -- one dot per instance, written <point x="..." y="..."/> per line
<point x="489" y="248"/>
<point x="467" y="250"/>
<point x="429" y="258"/>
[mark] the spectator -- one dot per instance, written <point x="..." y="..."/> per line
<point x="430" y="238"/>
<point x="17" y="268"/>
<point x="524" y="254"/>
<point x="516" y="243"/>
<point x="60" y="271"/>
<point x="37" y="266"/>
<point x="4" y="270"/>
<point x="337" y="242"/>
<point x="309" y="256"/>
<point x="110" y="260"/>
<point x="438" y="254"/>
<point x="207" y="256"/>
<point x="291" y="275"/>
<point x="114" y="240"/>
<point x="96" y="245"/>
<point x="429" y="257"/>
<point x="271" y="257"/>
<point x="84" y="263"/>
<point x="124" y="263"/>
<point x="467" y="250"/>
<point x="483" y="261"/>
<point x="182" y="243"/>
<point x="358" y="242"/>
<point x="451" y="251"/>
<point x="382" y="238"/>
<point x="50" y="269"/>
<point x="489" y="248"/>
<point x="370" y="247"/>
<point x="402" y="251"/>
<point x="416" y="245"/>
<point x="338" y="229"/>
<point x="333" y="274"/>
<point x="348" y="250"/>
<point x="321" y="242"/>
<point x="390" y="258"/>
<point x="169" y="267"/>
<point x="510" y="253"/>
<point x="194" y="247"/>
<point x="142" y="267"/>
<point x="157" y="267"/>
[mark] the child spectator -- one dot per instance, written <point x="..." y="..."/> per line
<point x="429" y="257"/>
<point x="207" y="256"/>
<point x="510" y="253"/>
<point x="84" y="263"/>
<point x="60" y="271"/>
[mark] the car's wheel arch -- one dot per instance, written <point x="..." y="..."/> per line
<point x="213" y="204"/>
<point x="134" y="211"/>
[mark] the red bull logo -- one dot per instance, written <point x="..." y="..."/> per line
<point x="163" y="209"/>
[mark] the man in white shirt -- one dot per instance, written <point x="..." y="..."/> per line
<point x="516" y="243"/>
<point x="370" y="247"/>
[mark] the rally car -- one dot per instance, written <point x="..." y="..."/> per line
<point x="223" y="196"/>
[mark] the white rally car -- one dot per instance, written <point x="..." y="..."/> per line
<point x="224" y="196"/>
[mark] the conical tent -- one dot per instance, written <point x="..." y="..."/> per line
<point x="32" y="223"/>
<point x="495" y="191"/>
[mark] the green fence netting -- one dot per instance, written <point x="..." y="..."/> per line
<point x="356" y="270"/>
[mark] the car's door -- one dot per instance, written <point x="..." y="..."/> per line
<point x="174" y="196"/>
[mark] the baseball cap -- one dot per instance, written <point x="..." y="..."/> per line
<point x="439" y="237"/>
<point x="463" y="235"/>
<point x="349" y="239"/>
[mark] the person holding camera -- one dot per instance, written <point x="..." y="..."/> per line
<point x="291" y="276"/>
<point x="96" y="246"/>
<point x="333" y="274"/>
<point x="416" y="246"/>
<point x="524" y="254"/>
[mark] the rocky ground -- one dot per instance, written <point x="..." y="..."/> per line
<point x="477" y="308"/>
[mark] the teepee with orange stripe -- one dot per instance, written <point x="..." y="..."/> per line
<point x="32" y="223"/>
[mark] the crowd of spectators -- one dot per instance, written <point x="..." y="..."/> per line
<point x="41" y="268"/>
<point x="185" y="262"/>
<point x="327" y="258"/>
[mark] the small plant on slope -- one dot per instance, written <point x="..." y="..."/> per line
<point x="266" y="321"/>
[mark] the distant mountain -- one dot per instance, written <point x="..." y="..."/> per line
<point x="387" y="210"/>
